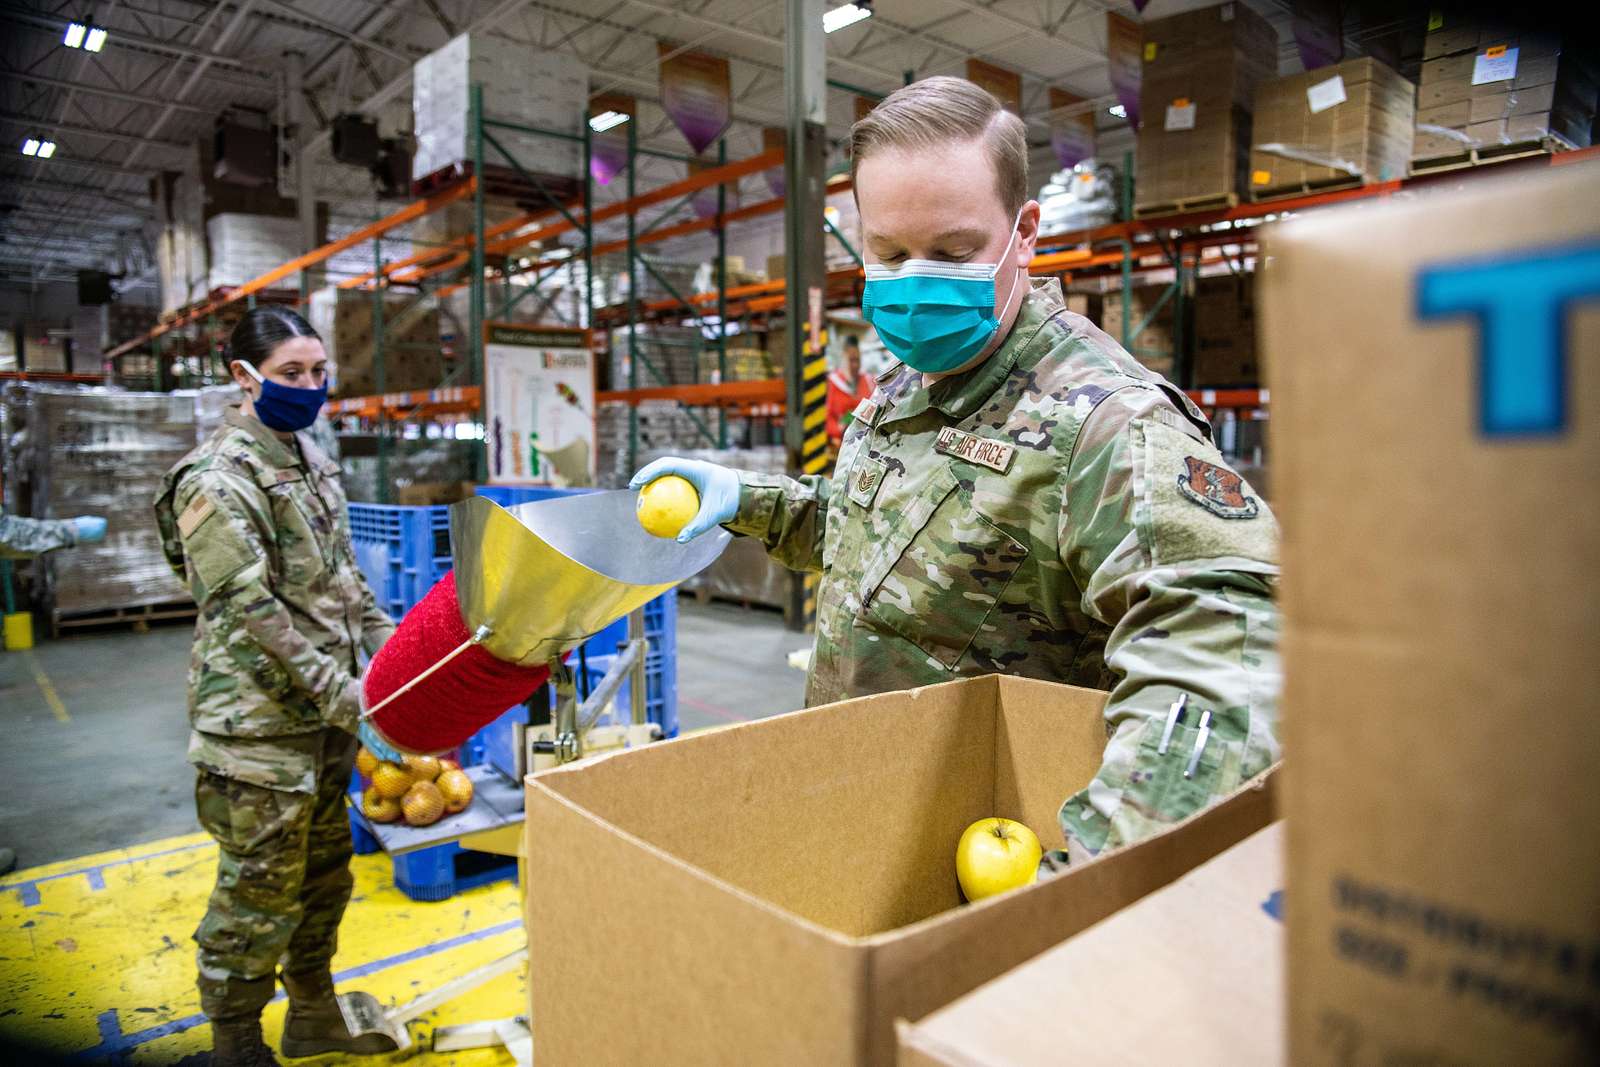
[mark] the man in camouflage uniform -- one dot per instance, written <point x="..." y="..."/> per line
<point x="1054" y="510"/>
<point x="22" y="538"/>
<point x="256" y="524"/>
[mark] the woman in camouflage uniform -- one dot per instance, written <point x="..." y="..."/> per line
<point x="254" y="521"/>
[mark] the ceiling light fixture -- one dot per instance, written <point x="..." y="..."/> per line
<point x="38" y="147"/>
<point x="606" y="120"/>
<point x="81" y="33"/>
<point x="839" y="17"/>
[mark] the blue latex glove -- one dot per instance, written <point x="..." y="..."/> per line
<point x="717" y="485"/>
<point x="377" y="745"/>
<point x="90" y="528"/>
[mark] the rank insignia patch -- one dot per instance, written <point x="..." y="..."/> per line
<point x="1217" y="489"/>
<point x="865" y="480"/>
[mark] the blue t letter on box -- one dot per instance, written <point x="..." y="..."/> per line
<point x="1521" y="303"/>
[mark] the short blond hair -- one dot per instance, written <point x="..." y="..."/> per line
<point x="936" y="111"/>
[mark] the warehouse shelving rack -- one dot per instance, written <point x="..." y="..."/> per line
<point x="1179" y="244"/>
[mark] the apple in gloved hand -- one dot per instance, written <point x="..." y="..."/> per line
<point x="996" y="855"/>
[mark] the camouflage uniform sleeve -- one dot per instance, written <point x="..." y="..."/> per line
<point x="376" y="626"/>
<point x="1184" y="578"/>
<point x="789" y="516"/>
<point x="21" y="538"/>
<point x="223" y="527"/>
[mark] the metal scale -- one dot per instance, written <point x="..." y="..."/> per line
<point x="536" y="581"/>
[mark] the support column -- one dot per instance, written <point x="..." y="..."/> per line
<point x="299" y="117"/>
<point x="805" y="179"/>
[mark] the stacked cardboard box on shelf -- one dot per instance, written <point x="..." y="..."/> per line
<point x="1201" y="69"/>
<point x="242" y="247"/>
<point x="1225" y="331"/>
<point x="412" y="354"/>
<point x="1486" y="86"/>
<point x="521" y="84"/>
<point x="1154" y="345"/>
<point x="1350" y="123"/>
<point x="743" y="365"/>
<point x="665" y="355"/>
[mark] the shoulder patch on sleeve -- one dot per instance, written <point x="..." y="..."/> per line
<point x="199" y="510"/>
<point x="1196" y="507"/>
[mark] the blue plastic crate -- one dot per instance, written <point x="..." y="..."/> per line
<point x="509" y="496"/>
<point x="402" y="551"/>
<point x="440" y="872"/>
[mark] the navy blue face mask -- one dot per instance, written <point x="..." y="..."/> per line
<point x="286" y="409"/>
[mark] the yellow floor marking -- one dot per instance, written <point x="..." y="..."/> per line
<point x="95" y="953"/>
<point x="51" y="697"/>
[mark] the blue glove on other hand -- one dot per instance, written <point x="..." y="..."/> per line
<point x="718" y="487"/>
<point x="377" y="745"/>
<point x="90" y="528"/>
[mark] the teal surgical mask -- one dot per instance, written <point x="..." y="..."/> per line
<point x="936" y="316"/>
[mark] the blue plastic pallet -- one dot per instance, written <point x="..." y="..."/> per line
<point x="440" y="872"/>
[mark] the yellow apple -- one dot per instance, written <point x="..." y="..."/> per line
<point x="995" y="855"/>
<point x="666" y="505"/>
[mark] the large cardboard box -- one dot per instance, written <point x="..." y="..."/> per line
<point x="1435" y="373"/>
<point x="1200" y="73"/>
<point x="1192" y="974"/>
<point x="1153" y="346"/>
<point x="782" y="891"/>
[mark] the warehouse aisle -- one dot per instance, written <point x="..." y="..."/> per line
<point x="96" y="957"/>
<point x="94" y="931"/>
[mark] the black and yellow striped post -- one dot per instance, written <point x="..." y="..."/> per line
<point x="814" y="457"/>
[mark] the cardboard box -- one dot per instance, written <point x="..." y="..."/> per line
<point x="1200" y="73"/>
<point x="1224" y="352"/>
<point x="1192" y="974"/>
<point x="1155" y="344"/>
<point x="1368" y="132"/>
<point x="781" y="891"/>
<point x="425" y="494"/>
<point x="1440" y="706"/>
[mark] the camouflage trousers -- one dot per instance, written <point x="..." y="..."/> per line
<point x="283" y="880"/>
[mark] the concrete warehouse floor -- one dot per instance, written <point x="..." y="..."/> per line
<point x="96" y="728"/>
<point x="94" y="930"/>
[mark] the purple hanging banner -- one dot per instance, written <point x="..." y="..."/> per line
<point x="697" y="94"/>
<point x="608" y="147"/>
<point x="1318" y="31"/>
<point x="1125" y="52"/>
<point x="1140" y="5"/>
<point x="704" y="201"/>
<point x="775" y="139"/>
<point x="1072" y="135"/>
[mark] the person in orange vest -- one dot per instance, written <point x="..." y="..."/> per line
<point x="847" y="387"/>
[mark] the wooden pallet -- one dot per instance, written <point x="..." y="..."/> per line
<point x="1293" y="189"/>
<point x="1492" y="153"/>
<point x="137" y="618"/>
<point x="502" y="183"/>
<point x="1215" y="202"/>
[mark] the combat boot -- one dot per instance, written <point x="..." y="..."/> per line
<point x="236" y="1042"/>
<point x="314" y="1023"/>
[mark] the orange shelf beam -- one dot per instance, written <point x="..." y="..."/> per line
<point x="769" y="391"/>
<point x="414" y="210"/>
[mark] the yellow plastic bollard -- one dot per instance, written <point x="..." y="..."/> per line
<point x="19" y="631"/>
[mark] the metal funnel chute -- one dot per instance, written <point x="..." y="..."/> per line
<point x="543" y="577"/>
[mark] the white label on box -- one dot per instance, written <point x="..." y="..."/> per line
<point x="1497" y="64"/>
<point x="1180" y="117"/>
<point x="1323" y="95"/>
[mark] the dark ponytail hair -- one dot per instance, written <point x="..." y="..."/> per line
<point x="263" y="329"/>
